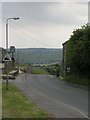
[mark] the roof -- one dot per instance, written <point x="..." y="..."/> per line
<point x="65" y="43"/>
<point x="2" y="53"/>
<point x="2" y="49"/>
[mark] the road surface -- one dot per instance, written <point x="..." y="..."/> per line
<point x="54" y="95"/>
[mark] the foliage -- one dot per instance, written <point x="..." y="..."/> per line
<point x="53" y="69"/>
<point x="78" y="52"/>
<point x="38" y="70"/>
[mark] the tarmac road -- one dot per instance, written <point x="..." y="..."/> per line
<point x="54" y="95"/>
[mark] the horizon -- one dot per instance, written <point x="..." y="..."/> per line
<point x="33" y="48"/>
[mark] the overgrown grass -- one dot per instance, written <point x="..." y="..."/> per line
<point x="76" y="79"/>
<point x="16" y="105"/>
<point x="38" y="70"/>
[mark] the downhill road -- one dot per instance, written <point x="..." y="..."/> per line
<point x="54" y="95"/>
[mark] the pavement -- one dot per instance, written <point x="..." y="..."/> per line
<point x="54" y="95"/>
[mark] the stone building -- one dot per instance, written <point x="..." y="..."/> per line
<point x="2" y="54"/>
<point x="11" y="64"/>
<point x="64" y="66"/>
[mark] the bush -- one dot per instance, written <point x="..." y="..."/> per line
<point x="53" y="69"/>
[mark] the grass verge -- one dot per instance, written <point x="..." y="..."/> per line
<point x="38" y="70"/>
<point x="16" y="105"/>
<point x="76" y="80"/>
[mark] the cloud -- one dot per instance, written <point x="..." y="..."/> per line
<point x="57" y="13"/>
<point x="50" y="24"/>
<point x="45" y="1"/>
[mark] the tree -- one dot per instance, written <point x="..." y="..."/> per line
<point x="78" y="51"/>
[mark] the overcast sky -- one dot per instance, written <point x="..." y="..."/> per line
<point x="42" y="24"/>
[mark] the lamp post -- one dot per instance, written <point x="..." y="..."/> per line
<point x="13" y="18"/>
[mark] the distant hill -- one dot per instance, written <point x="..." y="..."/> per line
<point x="39" y="55"/>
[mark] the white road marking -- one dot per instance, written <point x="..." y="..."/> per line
<point x="86" y="116"/>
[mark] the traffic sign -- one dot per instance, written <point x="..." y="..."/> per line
<point x="7" y="57"/>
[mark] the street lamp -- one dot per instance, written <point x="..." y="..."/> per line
<point x="13" y="18"/>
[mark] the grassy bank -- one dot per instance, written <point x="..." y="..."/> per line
<point x="16" y="105"/>
<point x="38" y="70"/>
<point x="76" y="80"/>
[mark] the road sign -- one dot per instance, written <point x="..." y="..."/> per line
<point x="7" y="57"/>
